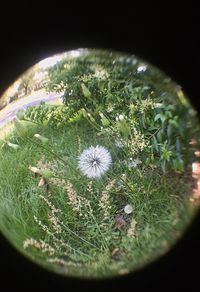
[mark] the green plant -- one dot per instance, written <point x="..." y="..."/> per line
<point x="77" y="226"/>
<point x="52" y="115"/>
<point x="105" y="86"/>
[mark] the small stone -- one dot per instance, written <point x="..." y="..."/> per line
<point x="128" y="209"/>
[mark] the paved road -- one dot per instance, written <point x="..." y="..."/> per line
<point x="9" y="112"/>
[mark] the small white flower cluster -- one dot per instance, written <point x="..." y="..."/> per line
<point x="86" y="77"/>
<point x="145" y="104"/>
<point x="120" y="118"/>
<point x="110" y="108"/>
<point x="133" y="162"/>
<point x="138" y="142"/>
<point x="94" y="161"/>
<point x="141" y="68"/>
<point x="100" y="72"/>
<point x="119" y="143"/>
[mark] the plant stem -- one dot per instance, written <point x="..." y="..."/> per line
<point x="130" y="188"/>
<point x="155" y="133"/>
<point x="51" y="152"/>
<point x="77" y="235"/>
<point x="65" y="244"/>
<point x="99" y="229"/>
<point x="93" y="125"/>
<point x="31" y="122"/>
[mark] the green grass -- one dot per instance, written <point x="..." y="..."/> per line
<point x="160" y="203"/>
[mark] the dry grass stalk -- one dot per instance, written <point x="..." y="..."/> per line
<point x="63" y="262"/>
<point x="73" y="197"/>
<point x="104" y="201"/>
<point x="35" y="170"/>
<point x="42" y="164"/>
<point x="50" y="205"/>
<point x="79" y="145"/>
<point x="58" y="243"/>
<point x="131" y="230"/>
<point x="90" y="187"/>
<point x="44" y="227"/>
<point x="52" y="217"/>
<point x="55" y="224"/>
<point x="43" y="246"/>
<point x="77" y="202"/>
<point x="42" y="182"/>
<point x="58" y="182"/>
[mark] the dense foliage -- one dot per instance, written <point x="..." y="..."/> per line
<point x="51" y="115"/>
<point x="55" y="212"/>
<point x="133" y="102"/>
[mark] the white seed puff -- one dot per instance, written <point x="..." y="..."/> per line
<point x="94" y="161"/>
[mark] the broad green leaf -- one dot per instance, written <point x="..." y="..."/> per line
<point x="104" y="120"/>
<point x="41" y="138"/>
<point x="123" y="127"/>
<point x="85" y="91"/>
<point x="155" y="143"/>
<point x="159" y="135"/>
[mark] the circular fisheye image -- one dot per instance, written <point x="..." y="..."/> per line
<point x="99" y="163"/>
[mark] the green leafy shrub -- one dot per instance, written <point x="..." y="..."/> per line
<point x="52" y="115"/>
<point x="154" y="119"/>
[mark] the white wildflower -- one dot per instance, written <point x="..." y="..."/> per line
<point x="110" y="108"/>
<point x="94" y="161"/>
<point x="134" y="162"/>
<point x="14" y="146"/>
<point x="119" y="143"/>
<point x="100" y="72"/>
<point x="121" y="117"/>
<point x="141" y="68"/>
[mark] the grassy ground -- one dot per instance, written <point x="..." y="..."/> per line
<point x="77" y="226"/>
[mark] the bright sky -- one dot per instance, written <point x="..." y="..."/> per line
<point x="44" y="64"/>
<point x="48" y="62"/>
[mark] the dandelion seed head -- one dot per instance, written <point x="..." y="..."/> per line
<point x="94" y="161"/>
